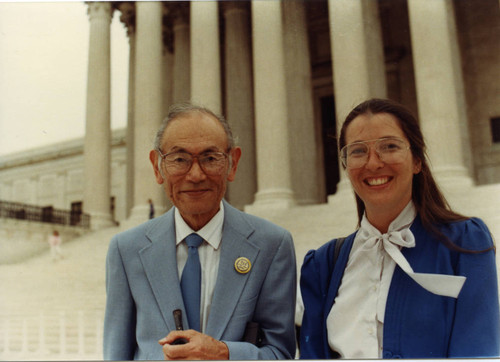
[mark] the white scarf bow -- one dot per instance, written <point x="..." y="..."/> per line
<point x="440" y="284"/>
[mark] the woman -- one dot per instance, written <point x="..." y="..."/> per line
<point x="416" y="280"/>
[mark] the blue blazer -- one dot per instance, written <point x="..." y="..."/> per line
<point x="142" y="285"/>
<point x="418" y="324"/>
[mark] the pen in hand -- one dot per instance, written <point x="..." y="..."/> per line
<point x="178" y="326"/>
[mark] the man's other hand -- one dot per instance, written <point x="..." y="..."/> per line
<point x="199" y="347"/>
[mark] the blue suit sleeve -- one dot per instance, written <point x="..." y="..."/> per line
<point x="476" y="327"/>
<point x="119" y="322"/>
<point x="314" y="282"/>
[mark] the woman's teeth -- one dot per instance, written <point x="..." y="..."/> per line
<point x="377" y="181"/>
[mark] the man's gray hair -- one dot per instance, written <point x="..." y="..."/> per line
<point x="181" y="109"/>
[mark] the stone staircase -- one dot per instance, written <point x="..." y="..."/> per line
<point x="55" y="310"/>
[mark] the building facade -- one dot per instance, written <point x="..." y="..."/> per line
<point x="285" y="74"/>
<point x="53" y="176"/>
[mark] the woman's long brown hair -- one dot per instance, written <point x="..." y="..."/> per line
<point x="428" y="199"/>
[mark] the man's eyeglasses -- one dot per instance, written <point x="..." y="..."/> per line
<point x="390" y="150"/>
<point x="179" y="163"/>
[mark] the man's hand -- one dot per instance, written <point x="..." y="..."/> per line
<point x="199" y="347"/>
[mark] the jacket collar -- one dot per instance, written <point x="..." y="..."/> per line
<point x="159" y="260"/>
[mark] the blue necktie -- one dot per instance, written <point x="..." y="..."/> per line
<point x="191" y="282"/>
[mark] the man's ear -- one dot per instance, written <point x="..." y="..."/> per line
<point x="235" y="158"/>
<point x="153" y="157"/>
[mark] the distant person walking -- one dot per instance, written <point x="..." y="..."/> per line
<point x="55" y="245"/>
<point x="151" y="209"/>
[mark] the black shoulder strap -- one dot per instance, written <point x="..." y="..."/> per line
<point x="338" y="245"/>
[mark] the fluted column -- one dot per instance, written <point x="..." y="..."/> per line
<point x="305" y="168"/>
<point x="357" y="59"/>
<point x="127" y="10"/>
<point x="147" y="105"/>
<point x="205" y="55"/>
<point x="239" y="99"/>
<point x="439" y="87"/>
<point x="182" y="75"/>
<point x="97" y="143"/>
<point x="271" y="116"/>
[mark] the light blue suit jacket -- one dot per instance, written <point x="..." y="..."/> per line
<point x="142" y="286"/>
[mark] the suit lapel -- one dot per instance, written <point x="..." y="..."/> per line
<point x="159" y="261"/>
<point x="230" y="283"/>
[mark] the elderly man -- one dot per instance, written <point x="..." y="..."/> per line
<point x="240" y="281"/>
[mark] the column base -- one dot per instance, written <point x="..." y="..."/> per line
<point x="344" y="199"/>
<point x="274" y="199"/>
<point x="453" y="178"/>
<point x="344" y="192"/>
<point x="138" y="215"/>
<point x="100" y="221"/>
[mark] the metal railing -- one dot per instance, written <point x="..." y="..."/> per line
<point x="15" y="210"/>
<point x="52" y="336"/>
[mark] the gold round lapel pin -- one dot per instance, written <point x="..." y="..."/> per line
<point x="242" y="265"/>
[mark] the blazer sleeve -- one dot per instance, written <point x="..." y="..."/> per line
<point x="275" y="310"/>
<point x="476" y="327"/>
<point x="119" y="321"/>
<point x="314" y="278"/>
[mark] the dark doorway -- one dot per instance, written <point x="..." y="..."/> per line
<point x="47" y="213"/>
<point x="76" y="212"/>
<point x="330" y="151"/>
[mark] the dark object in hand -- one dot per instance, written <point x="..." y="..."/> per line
<point x="178" y="326"/>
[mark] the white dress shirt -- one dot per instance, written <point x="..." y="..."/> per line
<point x="209" y="252"/>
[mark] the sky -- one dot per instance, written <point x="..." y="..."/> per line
<point x="43" y="73"/>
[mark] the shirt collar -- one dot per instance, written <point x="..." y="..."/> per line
<point x="402" y="221"/>
<point x="211" y="232"/>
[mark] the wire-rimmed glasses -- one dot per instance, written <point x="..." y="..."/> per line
<point x="390" y="150"/>
<point x="179" y="163"/>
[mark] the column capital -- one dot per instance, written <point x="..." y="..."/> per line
<point x="99" y="10"/>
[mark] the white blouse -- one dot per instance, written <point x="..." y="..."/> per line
<point x="356" y="320"/>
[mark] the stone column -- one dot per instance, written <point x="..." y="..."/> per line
<point x="271" y="117"/>
<point x="239" y="99"/>
<point x="182" y="75"/>
<point x="357" y="59"/>
<point x="439" y="87"/>
<point x="128" y="18"/>
<point x="97" y="143"/>
<point x="306" y="163"/>
<point x="147" y="106"/>
<point x="205" y="55"/>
